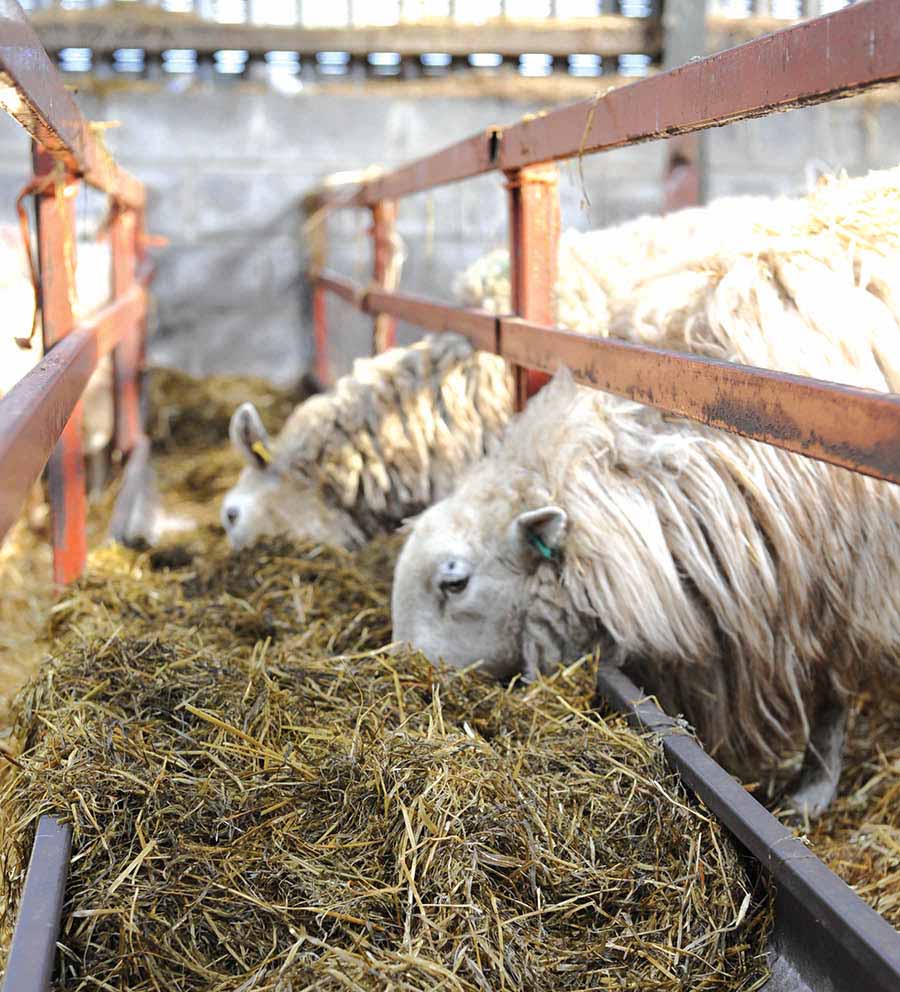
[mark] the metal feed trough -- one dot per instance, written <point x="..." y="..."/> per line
<point x="825" y="937"/>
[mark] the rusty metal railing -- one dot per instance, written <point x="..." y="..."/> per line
<point x="843" y="53"/>
<point x="824" y="935"/>
<point x="40" y="418"/>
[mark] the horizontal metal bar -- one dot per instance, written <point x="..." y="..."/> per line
<point x="478" y="326"/>
<point x="104" y="31"/>
<point x="836" y="55"/>
<point x="32" y="91"/>
<point x="29" y="966"/>
<point x="843" y="53"/>
<point x="855" y="428"/>
<point x="837" y="942"/>
<point x="471" y="157"/>
<point x="35" y="411"/>
<point x="348" y="290"/>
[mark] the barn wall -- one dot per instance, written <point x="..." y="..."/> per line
<point x="225" y="165"/>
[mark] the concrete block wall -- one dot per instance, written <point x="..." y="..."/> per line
<point x="226" y="163"/>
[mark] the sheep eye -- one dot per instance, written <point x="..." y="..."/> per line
<point x="453" y="576"/>
<point x="454" y="586"/>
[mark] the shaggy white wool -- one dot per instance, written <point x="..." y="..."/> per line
<point x="770" y="282"/>
<point x="736" y="580"/>
<point x="390" y="438"/>
<point x="746" y="586"/>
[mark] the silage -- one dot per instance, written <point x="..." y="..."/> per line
<point x="264" y="797"/>
<point x="186" y="412"/>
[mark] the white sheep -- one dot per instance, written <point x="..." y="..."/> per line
<point x="749" y="588"/>
<point x="670" y="280"/>
<point x="387" y="441"/>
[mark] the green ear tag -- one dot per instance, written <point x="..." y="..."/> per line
<point x="540" y="547"/>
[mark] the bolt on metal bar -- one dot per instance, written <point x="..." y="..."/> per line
<point x="534" y="228"/>
<point x="29" y="966"/>
<point x="471" y="157"/>
<point x="825" y="934"/>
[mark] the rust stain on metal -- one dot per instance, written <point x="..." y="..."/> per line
<point x="775" y="73"/>
<point x="761" y="419"/>
<point x="534" y="231"/>
<point x="858" y="429"/>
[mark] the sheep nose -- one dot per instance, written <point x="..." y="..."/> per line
<point x="231" y="514"/>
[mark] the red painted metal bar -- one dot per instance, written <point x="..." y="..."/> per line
<point x="832" y="56"/>
<point x="470" y="157"/>
<point x="35" y="411"/>
<point x="32" y="91"/>
<point x="57" y="261"/>
<point x="320" y="333"/>
<point x="477" y="325"/>
<point x="843" y="53"/>
<point x="127" y="357"/>
<point x="384" y="269"/>
<point x="534" y="225"/>
<point x="826" y="935"/>
<point x="349" y="291"/>
<point x="855" y="428"/>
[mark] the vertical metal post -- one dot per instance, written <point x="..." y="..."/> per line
<point x="320" y="333"/>
<point x="57" y="260"/>
<point x="317" y="239"/>
<point x="127" y="356"/>
<point x="534" y="225"/>
<point x="684" y="27"/>
<point x="384" y="274"/>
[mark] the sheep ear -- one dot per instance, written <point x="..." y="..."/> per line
<point x="250" y="437"/>
<point x="541" y="533"/>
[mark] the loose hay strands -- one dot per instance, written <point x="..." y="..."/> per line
<point x="191" y="413"/>
<point x="264" y="797"/>
<point x="858" y="837"/>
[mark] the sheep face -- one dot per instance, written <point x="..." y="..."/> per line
<point x="269" y="500"/>
<point x="465" y="582"/>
